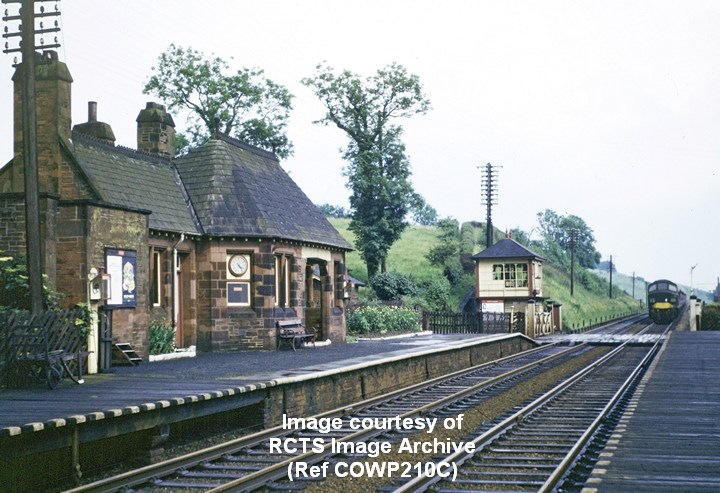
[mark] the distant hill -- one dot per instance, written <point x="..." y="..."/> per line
<point x="589" y="304"/>
<point x="625" y="282"/>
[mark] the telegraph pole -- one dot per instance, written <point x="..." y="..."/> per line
<point x="572" y="261"/>
<point x="26" y="33"/>
<point x="489" y="194"/>
<point x="611" y="269"/>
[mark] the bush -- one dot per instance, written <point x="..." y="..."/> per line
<point x="711" y="317"/>
<point x="437" y="295"/>
<point x="162" y="338"/>
<point x="14" y="287"/>
<point x="390" y="286"/>
<point x="383" y="320"/>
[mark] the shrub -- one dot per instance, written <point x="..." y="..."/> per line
<point x="14" y="287"/>
<point x="437" y="295"/>
<point x="382" y="320"/>
<point x="711" y="317"/>
<point x="391" y="286"/>
<point x="162" y="338"/>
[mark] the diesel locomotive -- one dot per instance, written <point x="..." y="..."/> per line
<point x="665" y="301"/>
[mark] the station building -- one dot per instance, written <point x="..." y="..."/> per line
<point x="219" y="243"/>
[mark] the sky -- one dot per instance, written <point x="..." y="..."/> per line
<point x="606" y="110"/>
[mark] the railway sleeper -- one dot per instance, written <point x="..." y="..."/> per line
<point x="496" y="482"/>
<point x="161" y="483"/>
<point x="195" y="474"/>
<point x="504" y="477"/>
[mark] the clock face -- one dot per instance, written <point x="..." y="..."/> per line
<point x="238" y="265"/>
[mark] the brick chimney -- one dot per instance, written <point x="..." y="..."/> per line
<point x="52" y="89"/>
<point x="156" y="130"/>
<point x="94" y="128"/>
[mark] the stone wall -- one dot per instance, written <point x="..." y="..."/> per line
<point x="122" y="229"/>
<point x="326" y="392"/>
<point x="226" y="328"/>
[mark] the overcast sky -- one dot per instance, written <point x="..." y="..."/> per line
<point x="606" y="110"/>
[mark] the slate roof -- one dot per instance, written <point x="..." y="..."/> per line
<point x="240" y="190"/>
<point x="506" y="248"/>
<point x="135" y="180"/>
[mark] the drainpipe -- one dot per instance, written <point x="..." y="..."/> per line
<point x="176" y="286"/>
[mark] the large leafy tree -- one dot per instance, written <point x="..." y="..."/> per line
<point x="378" y="170"/>
<point x="244" y="104"/>
<point x="557" y="231"/>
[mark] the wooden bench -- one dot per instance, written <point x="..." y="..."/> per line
<point x="33" y="358"/>
<point x="293" y="333"/>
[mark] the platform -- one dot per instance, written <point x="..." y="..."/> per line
<point x="150" y="386"/>
<point x="669" y="437"/>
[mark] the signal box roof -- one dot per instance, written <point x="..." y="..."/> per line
<point x="507" y="248"/>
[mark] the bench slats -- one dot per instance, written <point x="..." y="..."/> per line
<point x="293" y="333"/>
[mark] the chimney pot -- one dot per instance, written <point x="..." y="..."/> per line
<point x="92" y="111"/>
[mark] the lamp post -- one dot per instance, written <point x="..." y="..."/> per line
<point x="692" y="291"/>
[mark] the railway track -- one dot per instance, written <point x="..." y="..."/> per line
<point x="535" y="448"/>
<point x="264" y="460"/>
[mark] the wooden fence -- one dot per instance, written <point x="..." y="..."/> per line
<point x="63" y="332"/>
<point x="475" y="323"/>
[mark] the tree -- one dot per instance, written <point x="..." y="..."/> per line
<point x="559" y="230"/>
<point x="378" y="171"/>
<point x="424" y="214"/>
<point x="14" y="288"/>
<point x="243" y="104"/>
<point x="330" y="210"/>
<point x="446" y="253"/>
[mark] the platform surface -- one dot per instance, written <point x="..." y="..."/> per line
<point x="218" y="374"/>
<point x="669" y="437"/>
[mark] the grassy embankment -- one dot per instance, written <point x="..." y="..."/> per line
<point x="585" y="307"/>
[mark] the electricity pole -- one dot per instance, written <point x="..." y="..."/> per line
<point x="611" y="269"/>
<point x="489" y="194"/>
<point x="27" y="31"/>
<point x="572" y="261"/>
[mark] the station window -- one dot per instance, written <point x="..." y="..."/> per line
<point x="514" y="275"/>
<point x="283" y="268"/>
<point x="156" y="289"/>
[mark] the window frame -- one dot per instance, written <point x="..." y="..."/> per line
<point x="157" y="284"/>
<point x="233" y="282"/>
<point x="283" y="278"/>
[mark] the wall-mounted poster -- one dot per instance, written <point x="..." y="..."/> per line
<point x="122" y="267"/>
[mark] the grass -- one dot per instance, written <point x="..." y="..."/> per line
<point x="406" y="256"/>
<point x="586" y="306"/>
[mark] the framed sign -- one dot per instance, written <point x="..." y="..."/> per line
<point x="489" y="306"/>
<point x="122" y="267"/>
<point x="238" y="293"/>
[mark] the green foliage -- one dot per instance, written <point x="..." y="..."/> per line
<point x="82" y="321"/>
<point x="437" y="295"/>
<point x="14" y="287"/>
<point x="243" y="104"/>
<point x="333" y="210"/>
<point x="589" y="304"/>
<point x="424" y="214"/>
<point x="585" y="307"/>
<point x="378" y="170"/>
<point x="557" y="232"/>
<point x="161" y="338"/>
<point x="447" y="254"/>
<point x="710" y="319"/>
<point x="390" y="286"/>
<point x="383" y="320"/>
